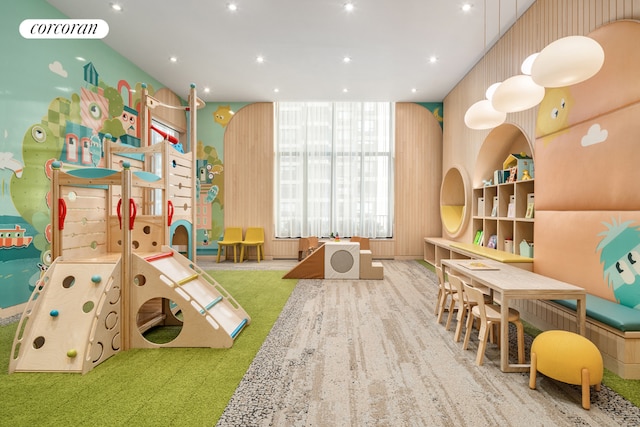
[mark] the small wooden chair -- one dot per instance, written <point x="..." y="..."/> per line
<point x="489" y="315"/>
<point x="254" y="237"/>
<point x="444" y="291"/>
<point x="364" y="242"/>
<point x="232" y="237"/>
<point x="465" y="305"/>
<point x="306" y="245"/>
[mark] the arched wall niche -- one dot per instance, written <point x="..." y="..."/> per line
<point x="454" y="201"/>
<point x="499" y="143"/>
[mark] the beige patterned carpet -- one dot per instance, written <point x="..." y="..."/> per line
<point x="370" y="353"/>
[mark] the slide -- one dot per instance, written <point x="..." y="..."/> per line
<point x="210" y="317"/>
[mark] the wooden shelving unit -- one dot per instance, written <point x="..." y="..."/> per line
<point x="503" y="222"/>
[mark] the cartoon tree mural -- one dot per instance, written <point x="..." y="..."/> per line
<point x="29" y="192"/>
<point x="113" y="125"/>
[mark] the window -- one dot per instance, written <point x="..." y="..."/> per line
<point x="334" y="169"/>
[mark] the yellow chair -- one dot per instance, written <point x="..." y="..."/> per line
<point x="232" y="237"/>
<point x="254" y="237"/>
<point x="567" y="357"/>
<point x="489" y="315"/>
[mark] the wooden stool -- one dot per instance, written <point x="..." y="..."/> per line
<point x="567" y="357"/>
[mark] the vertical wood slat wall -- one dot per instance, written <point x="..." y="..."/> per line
<point x="249" y="182"/>
<point x="417" y="175"/>
<point x="544" y="22"/>
<point x="248" y="170"/>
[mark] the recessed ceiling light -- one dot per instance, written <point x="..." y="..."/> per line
<point x="345" y="90"/>
<point x="276" y="90"/>
<point x="346" y="59"/>
<point x="348" y="6"/>
<point x="259" y="59"/>
<point x="173" y="59"/>
<point x="433" y="59"/>
<point x="232" y="7"/>
<point x="466" y="7"/>
<point x="207" y="90"/>
<point x="116" y="7"/>
<point x="414" y="90"/>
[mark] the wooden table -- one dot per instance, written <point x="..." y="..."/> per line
<point x="515" y="283"/>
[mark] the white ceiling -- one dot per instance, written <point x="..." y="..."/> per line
<point x="303" y="43"/>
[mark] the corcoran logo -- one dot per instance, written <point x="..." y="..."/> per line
<point x="64" y="29"/>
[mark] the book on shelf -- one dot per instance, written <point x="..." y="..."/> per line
<point x="530" y="206"/>
<point x="478" y="239"/>
<point x="480" y="206"/>
<point x="511" y="209"/>
<point x="494" y="208"/>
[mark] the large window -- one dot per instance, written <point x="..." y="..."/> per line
<point x="334" y="169"/>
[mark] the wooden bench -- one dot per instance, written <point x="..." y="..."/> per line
<point x="613" y="328"/>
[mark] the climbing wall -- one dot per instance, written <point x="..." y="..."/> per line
<point x="72" y="320"/>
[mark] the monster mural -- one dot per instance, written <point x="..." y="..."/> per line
<point x="620" y="256"/>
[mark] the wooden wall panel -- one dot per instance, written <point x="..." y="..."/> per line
<point x="176" y="119"/>
<point x="248" y="162"/>
<point x="418" y="174"/>
<point x="248" y="165"/>
<point x="544" y="22"/>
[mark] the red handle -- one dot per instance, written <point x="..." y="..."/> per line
<point x="132" y="213"/>
<point x="62" y="213"/>
<point x="169" y="212"/>
<point x="172" y="139"/>
<point x="119" y="210"/>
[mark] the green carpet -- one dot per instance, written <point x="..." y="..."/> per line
<point x="160" y="387"/>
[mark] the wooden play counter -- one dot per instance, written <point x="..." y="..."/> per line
<point x="438" y="248"/>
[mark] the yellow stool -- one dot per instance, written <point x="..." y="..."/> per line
<point x="567" y="357"/>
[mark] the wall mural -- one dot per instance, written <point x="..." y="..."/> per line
<point x="213" y="120"/>
<point x="620" y="256"/>
<point x="71" y="130"/>
<point x="587" y="228"/>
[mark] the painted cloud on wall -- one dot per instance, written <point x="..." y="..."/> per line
<point x="8" y="162"/>
<point x="595" y="135"/>
<point x="57" y="68"/>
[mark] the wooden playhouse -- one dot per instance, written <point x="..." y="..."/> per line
<point x="114" y="273"/>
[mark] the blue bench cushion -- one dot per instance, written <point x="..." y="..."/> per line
<point x="610" y="313"/>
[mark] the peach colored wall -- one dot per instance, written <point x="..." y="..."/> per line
<point x="587" y="155"/>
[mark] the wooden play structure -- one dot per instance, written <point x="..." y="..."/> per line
<point x="115" y="274"/>
<point x="339" y="260"/>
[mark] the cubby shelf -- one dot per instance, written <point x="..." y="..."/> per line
<point x="502" y="221"/>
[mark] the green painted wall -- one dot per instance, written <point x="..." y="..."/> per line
<point x="42" y="87"/>
<point x="212" y="123"/>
